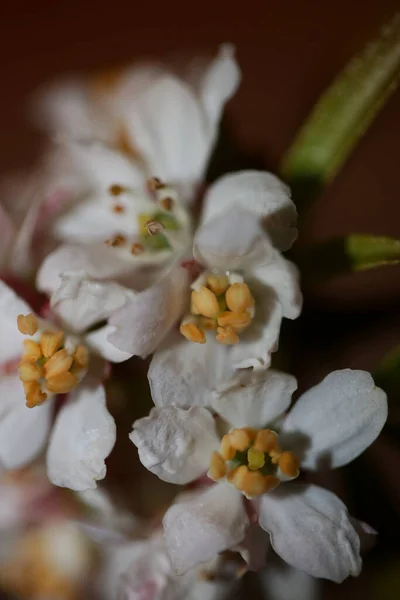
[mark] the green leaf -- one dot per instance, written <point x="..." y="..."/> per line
<point x="355" y="252"/>
<point x="342" y="115"/>
<point x="387" y="374"/>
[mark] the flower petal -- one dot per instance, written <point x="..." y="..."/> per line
<point x="282" y="582"/>
<point x="338" y="418"/>
<point x="184" y="373"/>
<point x="23" y="431"/>
<point x="83" y="436"/>
<point x="98" y="341"/>
<point x="174" y="443"/>
<point x="11" y="340"/>
<point x="310" y="529"/>
<point x="255" y="399"/>
<point x="260" y="192"/>
<point x="196" y="531"/>
<point x="149" y="315"/>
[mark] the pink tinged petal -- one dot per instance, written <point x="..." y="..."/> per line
<point x="232" y="240"/>
<point x="311" y="530"/>
<point x="263" y="194"/>
<point x="11" y="340"/>
<point x="335" y="421"/>
<point x="146" y="319"/>
<point x="23" y="431"/>
<point x="197" y="531"/>
<point x="7" y="233"/>
<point x="367" y="534"/>
<point x="254" y="548"/>
<point x="176" y="444"/>
<point x="282" y="582"/>
<point x="255" y="399"/>
<point x="83" y="436"/>
<point x="184" y="374"/>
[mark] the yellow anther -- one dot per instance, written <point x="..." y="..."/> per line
<point x="227" y="336"/>
<point x="238" y="476"/>
<point x="116" y="189"/>
<point x="239" y="439"/>
<point x="266" y="441"/>
<point x="207" y="323"/>
<point x="137" y="248"/>
<point x="227" y="451"/>
<point x="217" y="468"/>
<point x="193" y="308"/>
<point x="33" y="393"/>
<point x="32" y="352"/>
<point x="81" y="356"/>
<point x="59" y="363"/>
<point x="29" y="371"/>
<point x="218" y="283"/>
<point x="27" y="324"/>
<point x="289" y="464"/>
<point x="50" y="342"/>
<point x="205" y="302"/>
<point x="235" y="320"/>
<point x="255" y="459"/>
<point x="252" y="483"/>
<point x="62" y="384"/>
<point x="117" y="241"/>
<point x="167" y="203"/>
<point x="193" y="333"/>
<point x="238" y="297"/>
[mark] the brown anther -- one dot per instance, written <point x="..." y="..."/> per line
<point x="205" y="301"/>
<point x="218" y="283"/>
<point x="266" y="441"/>
<point x="116" y="189"/>
<point x="154" y="183"/>
<point x="207" y="323"/>
<point x="81" y="356"/>
<point x="238" y="297"/>
<point x="137" y="248"/>
<point x="27" y="324"/>
<point x="59" y="363"/>
<point x="118" y="241"/>
<point x="32" y="351"/>
<point x="289" y="464"/>
<point x="167" y="203"/>
<point x="217" y="468"/>
<point x="227" y="451"/>
<point x="239" y="439"/>
<point x="227" y="336"/>
<point x="62" y="384"/>
<point x="50" y="342"/>
<point x="192" y="333"/>
<point x="153" y="227"/>
<point x="33" y="393"/>
<point x="29" y="371"/>
<point x="235" y="320"/>
<point x="118" y="208"/>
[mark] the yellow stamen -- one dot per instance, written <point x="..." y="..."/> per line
<point x="81" y="356"/>
<point x="27" y="324"/>
<point x="205" y="301"/>
<point x="154" y="183"/>
<point x="266" y="441"/>
<point x="32" y="352"/>
<point x="252" y="483"/>
<point x="29" y="371"/>
<point x="167" y="203"/>
<point x="217" y="468"/>
<point x="116" y="189"/>
<point x="117" y="241"/>
<point x="50" y="342"/>
<point x="289" y="464"/>
<point x="255" y="459"/>
<point x="207" y="323"/>
<point x="237" y="476"/>
<point x="33" y="393"/>
<point x="227" y="451"/>
<point x="62" y="384"/>
<point x="59" y="363"/>
<point x="218" y="283"/>
<point x="234" y="320"/>
<point x="226" y="335"/>
<point x="193" y="333"/>
<point x="238" y="297"/>
<point x="137" y="248"/>
<point x="239" y="439"/>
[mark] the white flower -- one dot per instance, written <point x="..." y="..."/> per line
<point x="37" y="362"/>
<point x="309" y="527"/>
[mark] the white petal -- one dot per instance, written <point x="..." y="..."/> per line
<point x="83" y="436"/>
<point x="260" y="192"/>
<point x="146" y="319"/>
<point x="23" y="431"/>
<point x="232" y="240"/>
<point x="176" y="444"/>
<point x="282" y="276"/>
<point x="98" y="342"/>
<point x="11" y="340"/>
<point x="338" y="419"/>
<point x="184" y="373"/>
<point x="282" y="582"/>
<point x="196" y="531"/>
<point x="256" y="398"/>
<point x="310" y="529"/>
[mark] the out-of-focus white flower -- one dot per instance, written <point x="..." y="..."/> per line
<point x="37" y="362"/>
<point x="309" y="527"/>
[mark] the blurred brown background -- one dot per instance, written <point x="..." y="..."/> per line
<point x="289" y="52"/>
